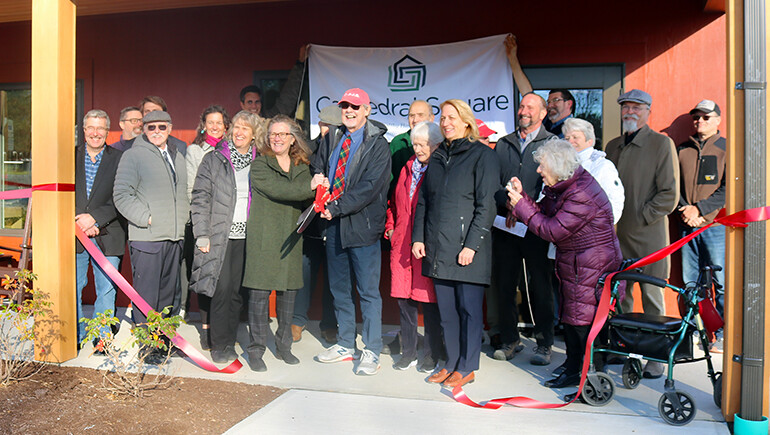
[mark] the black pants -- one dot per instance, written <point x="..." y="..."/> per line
<point x="462" y="320"/>
<point x="575" y="338"/>
<point x="511" y="250"/>
<point x="433" y="337"/>
<point x="156" y="274"/>
<point x="259" y="302"/>
<point x="226" y="302"/>
<point x="182" y="297"/>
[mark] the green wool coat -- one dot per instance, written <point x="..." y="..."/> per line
<point x="273" y="247"/>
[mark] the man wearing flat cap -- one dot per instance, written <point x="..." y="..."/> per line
<point x="356" y="160"/>
<point x="702" y="194"/>
<point x="649" y="170"/>
<point x="151" y="193"/>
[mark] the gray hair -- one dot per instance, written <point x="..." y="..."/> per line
<point x="559" y="157"/>
<point x="429" y="131"/>
<point x="96" y="113"/>
<point x="581" y="125"/>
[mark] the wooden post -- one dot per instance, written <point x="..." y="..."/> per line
<point x="733" y="344"/>
<point x="53" y="161"/>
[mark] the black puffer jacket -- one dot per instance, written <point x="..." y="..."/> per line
<point x="213" y="204"/>
<point x="456" y="209"/>
<point x="362" y="206"/>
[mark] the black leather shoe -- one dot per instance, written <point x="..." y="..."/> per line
<point x="257" y="364"/>
<point x="287" y="357"/>
<point x="559" y="370"/>
<point x="564" y="380"/>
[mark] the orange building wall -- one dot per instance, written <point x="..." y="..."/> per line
<point x="202" y="56"/>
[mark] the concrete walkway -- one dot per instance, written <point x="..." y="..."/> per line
<point x="330" y="398"/>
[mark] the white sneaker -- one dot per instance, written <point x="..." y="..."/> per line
<point x="369" y="365"/>
<point x="334" y="354"/>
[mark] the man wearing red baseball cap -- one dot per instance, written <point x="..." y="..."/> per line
<point x="355" y="159"/>
<point x="484" y="132"/>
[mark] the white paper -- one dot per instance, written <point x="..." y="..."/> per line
<point x="519" y="229"/>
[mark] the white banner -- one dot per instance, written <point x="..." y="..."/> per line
<point x="476" y="71"/>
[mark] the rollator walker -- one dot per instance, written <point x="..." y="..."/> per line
<point x="664" y="339"/>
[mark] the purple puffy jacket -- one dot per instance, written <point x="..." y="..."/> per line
<point x="576" y="216"/>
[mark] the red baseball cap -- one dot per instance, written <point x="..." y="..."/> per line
<point x="484" y="131"/>
<point x="355" y="96"/>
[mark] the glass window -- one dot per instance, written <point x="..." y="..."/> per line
<point x="588" y="106"/>
<point x="15" y="151"/>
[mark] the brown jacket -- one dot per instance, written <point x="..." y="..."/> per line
<point x="649" y="170"/>
<point x="703" y="175"/>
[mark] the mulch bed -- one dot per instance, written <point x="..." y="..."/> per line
<point x="70" y="400"/>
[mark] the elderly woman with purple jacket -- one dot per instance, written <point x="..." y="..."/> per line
<point x="576" y="216"/>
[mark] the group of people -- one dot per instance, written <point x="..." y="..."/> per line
<point x="461" y="216"/>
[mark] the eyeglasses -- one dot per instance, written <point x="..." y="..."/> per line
<point x="344" y="105"/>
<point x="92" y="129"/>
<point x="703" y="117"/>
<point x="161" y="127"/>
<point x="133" y="120"/>
<point x="555" y="100"/>
<point x="282" y="135"/>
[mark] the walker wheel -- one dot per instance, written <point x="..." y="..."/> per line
<point x="718" y="390"/>
<point x="599" y="392"/>
<point x="632" y="373"/>
<point x="677" y="415"/>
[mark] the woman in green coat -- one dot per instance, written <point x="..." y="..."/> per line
<point x="281" y="185"/>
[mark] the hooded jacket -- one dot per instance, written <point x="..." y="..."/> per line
<point x="576" y="216"/>
<point x="361" y="208"/>
<point x="456" y="209"/>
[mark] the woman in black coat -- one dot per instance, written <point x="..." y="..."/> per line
<point x="453" y="218"/>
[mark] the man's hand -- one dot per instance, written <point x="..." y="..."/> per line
<point x="466" y="256"/>
<point x="85" y="221"/>
<point x="319" y="180"/>
<point x="303" y="51"/>
<point x="691" y="215"/>
<point x="418" y="250"/>
<point x="511" y="46"/>
<point x="326" y="214"/>
<point x="92" y="232"/>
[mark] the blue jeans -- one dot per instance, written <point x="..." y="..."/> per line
<point x="706" y="249"/>
<point x="105" y="289"/>
<point x="364" y="263"/>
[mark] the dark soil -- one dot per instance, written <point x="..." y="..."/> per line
<point x="63" y="400"/>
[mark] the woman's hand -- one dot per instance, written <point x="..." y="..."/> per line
<point x="466" y="256"/>
<point x="318" y="180"/>
<point x="388" y="234"/>
<point x="418" y="250"/>
<point x="205" y="249"/>
<point x="515" y="191"/>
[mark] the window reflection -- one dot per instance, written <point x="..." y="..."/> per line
<point x="15" y="150"/>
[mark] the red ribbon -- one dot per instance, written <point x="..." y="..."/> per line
<point x="26" y="193"/>
<point x="739" y="219"/>
<point x="119" y="280"/>
<point x="144" y="307"/>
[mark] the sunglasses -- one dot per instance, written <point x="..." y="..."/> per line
<point x="344" y="105"/>
<point x="703" y="117"/>
<point x="161" y="127"/>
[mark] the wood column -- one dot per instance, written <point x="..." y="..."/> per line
<point x="53" y="161"/>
